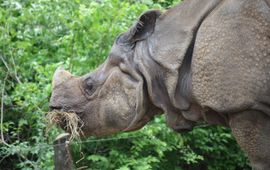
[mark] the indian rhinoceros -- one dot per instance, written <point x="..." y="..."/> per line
<point x="203" y="60"/>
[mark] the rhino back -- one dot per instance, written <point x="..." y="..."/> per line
<point x="231" y="59"/>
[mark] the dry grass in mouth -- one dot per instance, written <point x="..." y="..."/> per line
<point x="72" y="121"/>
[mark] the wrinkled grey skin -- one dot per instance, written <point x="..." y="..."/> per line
<point x="203" y="60"/>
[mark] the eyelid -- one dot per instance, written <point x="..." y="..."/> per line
<point x="88" y="80"/>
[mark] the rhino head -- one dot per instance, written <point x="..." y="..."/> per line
<point x="116" y="96"/>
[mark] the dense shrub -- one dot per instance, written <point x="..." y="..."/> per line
<point x="36" y="36"/>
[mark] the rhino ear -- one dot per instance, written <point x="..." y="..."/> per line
<point x="142" y="28"/>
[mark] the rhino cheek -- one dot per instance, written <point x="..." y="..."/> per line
<point x="117" y="102"/>
<point x="105" y="118"/>
<point x="91" y="123"/>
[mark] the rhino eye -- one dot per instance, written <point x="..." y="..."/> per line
<point x="89" y="86"/>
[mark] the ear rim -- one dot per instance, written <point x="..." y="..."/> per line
<point x="142" y="23"/>
<point x="132" y="35"/>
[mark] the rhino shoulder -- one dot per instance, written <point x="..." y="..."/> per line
<point x="231" y="58"/>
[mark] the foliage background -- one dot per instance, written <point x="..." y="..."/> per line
<point x="36" y="36"/>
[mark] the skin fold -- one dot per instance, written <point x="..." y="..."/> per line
<point x="203" y="60"/>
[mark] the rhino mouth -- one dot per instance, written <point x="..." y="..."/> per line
<point x="69" y="121"/>
<point x="63" y="109"/>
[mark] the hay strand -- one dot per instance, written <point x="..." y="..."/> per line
<point x="73" y="123"/>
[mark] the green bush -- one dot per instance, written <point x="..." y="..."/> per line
<point x="36" y="36"/>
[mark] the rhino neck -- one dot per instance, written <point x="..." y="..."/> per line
<point x="165" y="57"/>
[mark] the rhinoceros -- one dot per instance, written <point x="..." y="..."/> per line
<point x="202" y="60"/>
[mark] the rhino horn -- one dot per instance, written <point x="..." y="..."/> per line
<point x="60" y="76"/>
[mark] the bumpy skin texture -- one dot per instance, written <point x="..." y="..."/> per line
<point x="231" y="72"/>
<point x="204" y="60"/>
<point x="251" y="129"/>
<point x="231" y="60"/>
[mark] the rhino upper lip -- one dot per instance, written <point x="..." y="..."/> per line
<point x="51" y="108"/>
<point x="62" y="109"/>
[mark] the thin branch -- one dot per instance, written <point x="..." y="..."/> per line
<point x="26" y="159"/>
<point x="4" y="157"/>
<point x="9" y="71"/>
<point x="15" y="70"/>
<point x="2" y="111"/>
<point x="83" y="167"/>
<point x="72" y="52"/>
<point x="5" y="63"/>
